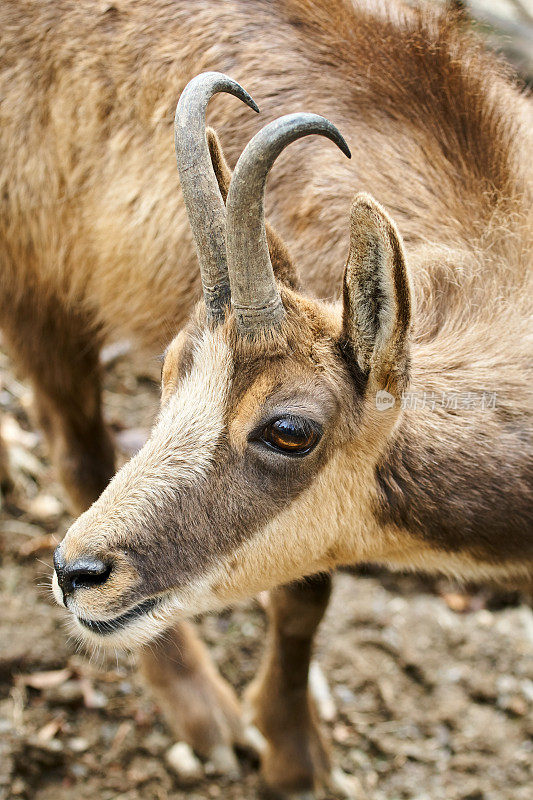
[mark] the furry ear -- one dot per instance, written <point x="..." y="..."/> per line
<point x="279" y="255"/>
<point x="377" y="296"/>
<point x="218" y="160"/>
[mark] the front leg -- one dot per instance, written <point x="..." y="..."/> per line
<point x="296" y="758"/>
<point x="200" y="708"/>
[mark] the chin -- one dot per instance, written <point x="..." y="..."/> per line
<point x="134" y="628"/>
<point x="138" y="625"/>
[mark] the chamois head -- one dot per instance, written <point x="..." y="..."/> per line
<point x="275" y="408"/>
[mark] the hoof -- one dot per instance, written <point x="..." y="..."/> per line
<point x="338" y="785"/>
<point x="190" y="770"/>
<point x="223" y="761"/>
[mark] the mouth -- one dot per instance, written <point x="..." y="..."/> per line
<point x="108" y="626"/>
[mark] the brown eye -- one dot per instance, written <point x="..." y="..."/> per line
<point x="291" y="435"/>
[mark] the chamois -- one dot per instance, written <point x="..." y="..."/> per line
<point x="295" y="434"/>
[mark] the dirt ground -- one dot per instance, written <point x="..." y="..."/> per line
<point x="431" y="704"/>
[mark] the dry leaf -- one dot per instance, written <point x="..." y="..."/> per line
<point x="44" y="680"/>
<point x="49" y="730"/>
<point x="46" y="542"/>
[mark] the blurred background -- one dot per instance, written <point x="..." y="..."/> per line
<point x="508" y="28"/>
<point x="431" y="684"/>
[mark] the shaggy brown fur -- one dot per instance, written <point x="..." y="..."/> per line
<point x="94" y="244"/>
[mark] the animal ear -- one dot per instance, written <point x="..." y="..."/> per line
<point x="279" y="255"/>
<point x="377" y="296"/>
<point x="282" y="264"/>
<point x="218" y="160"/>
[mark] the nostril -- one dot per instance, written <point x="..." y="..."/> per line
<point x="86" y="573"/>
<point x="59" y="564"/>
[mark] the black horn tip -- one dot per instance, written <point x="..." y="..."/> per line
<point x="344" y="147"/>
<point x="340" y="141"/>
<point x="333" y="133"/>
<point x="243" y="95"/>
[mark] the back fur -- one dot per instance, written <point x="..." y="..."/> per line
<point x="90" y="209"/>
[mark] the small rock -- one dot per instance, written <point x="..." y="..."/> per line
<point x="341" y="733"/>
<point x="155" y="742"/>
<point x="185" y="765"/>
<point x="79" y="770"/>
<point x="321" y="693"/>
<point x="45" y="508"/>
<point x="130" y="441"/>
<point x="18" y="787"/>
<point x="48" y="731"/>
<point x="78" y="744"/>
<point x="345" y="694"/>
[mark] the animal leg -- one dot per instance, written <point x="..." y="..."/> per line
<point x="201" y="709"/>
<point x="57" y="350"/>
<point x="295" y="761"/>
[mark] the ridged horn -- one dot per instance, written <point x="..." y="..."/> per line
<point x="254" y="294"/>
<point x="204" y="204"/>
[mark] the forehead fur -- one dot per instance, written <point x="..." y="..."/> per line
<point x="297" y="367"/>
<point x="309" y="342"/>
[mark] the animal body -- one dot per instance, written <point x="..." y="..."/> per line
<point x="296" y="434"/>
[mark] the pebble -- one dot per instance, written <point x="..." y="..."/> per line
<point x="45" y="507"/>
<point x="321" y="693"/>
<point x="79" y="770"/>
<point x="131" y="440"/>
<point x="18" y="787"/>
<point x="345" y="694"/>
<point x="155" y="742"/>
<point x="183" y="762"/>
<point x="78" y="744"/>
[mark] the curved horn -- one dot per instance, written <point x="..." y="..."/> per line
<point x="205" y="207"/>
<point x="254" y="293"/>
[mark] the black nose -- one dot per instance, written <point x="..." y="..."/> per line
<point x="83" y="573"/>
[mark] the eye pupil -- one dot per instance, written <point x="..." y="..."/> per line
<point x="291" y="435"/>
<point x="289" y="432"/>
